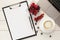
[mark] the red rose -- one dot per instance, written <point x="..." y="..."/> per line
<point x="34" y="9"/>
<point x="39" y="17"/>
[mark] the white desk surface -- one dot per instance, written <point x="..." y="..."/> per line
<point x="4" y="33"/>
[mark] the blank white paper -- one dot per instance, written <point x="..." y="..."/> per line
<point x="18" y="21"/>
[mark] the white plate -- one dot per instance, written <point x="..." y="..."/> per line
<point x="42" y="23"/>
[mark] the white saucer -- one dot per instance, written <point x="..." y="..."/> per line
<point x="45" y="28"/>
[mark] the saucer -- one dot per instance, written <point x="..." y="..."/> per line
<point x="47" y="24"/>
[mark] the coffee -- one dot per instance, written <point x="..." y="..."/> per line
<point x="48" y="24"/>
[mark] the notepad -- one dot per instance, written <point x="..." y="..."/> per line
<point x="19" y="21"/>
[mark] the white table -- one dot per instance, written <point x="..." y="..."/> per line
<point x="4" y="34"/>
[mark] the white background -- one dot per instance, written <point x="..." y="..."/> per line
<point x="4" y="33"/>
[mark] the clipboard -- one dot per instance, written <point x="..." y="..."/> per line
<point x="19" y="21"/>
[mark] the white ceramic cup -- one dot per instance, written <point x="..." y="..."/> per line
<point x="47" y="25"/>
